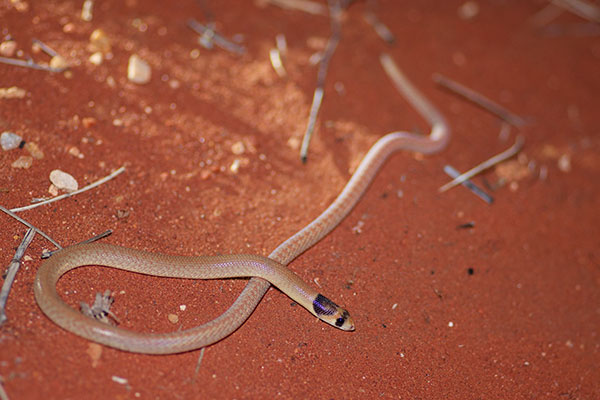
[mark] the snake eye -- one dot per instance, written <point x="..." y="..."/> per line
<point x="340" y="321"/>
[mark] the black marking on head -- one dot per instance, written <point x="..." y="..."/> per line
<point x="342" y="320"/>
<point x="323" y="306"/>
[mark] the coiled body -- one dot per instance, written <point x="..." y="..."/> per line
<point x="186" y="267"/>
<point x="241" y="309"/>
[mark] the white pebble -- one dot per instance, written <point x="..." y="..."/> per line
<point x="53" y="190"/>
<point x="63" y="181"/>
<point x="235" y="166"/>
<point x="96" y="58"/>
<point x="10" y="140"/>
<point x="12" y="92"/>
<point x="564" y="163"/>
<point x="59" y="62"/>
<point x="120" y="380"/>
<point x="87" y="10"/>
<point x="138" y="70"/>
<point x="22" y="162"/>
<point x="8" y="48"/>
<point x="238" y="148"/>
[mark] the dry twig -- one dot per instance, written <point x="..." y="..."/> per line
<point x="514" y="149"/>
<point x="479" y="99"/>
<point x="453" y="173"/>
<point x="580" y="8"/>
<point x="29" y="64"/>
<point x="28" y="224"/>
<point x="379" y="27"/>
<point x="308" y="6"/>
<point x="335" y="10"/>
<point x="62" y="196"/>
<point x="3" y="395"/>
<point x="104" y="234"/>
<point x="12" y="270"/>
<point x="200" y="357"/>
<point x="209" y="35"/>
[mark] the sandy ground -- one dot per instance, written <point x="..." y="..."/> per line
<point x="506" y="306"/>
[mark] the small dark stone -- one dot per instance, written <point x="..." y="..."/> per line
<point x="467" y="225"/>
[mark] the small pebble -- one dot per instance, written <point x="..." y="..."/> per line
<point x="173" y="318"/>
<point x="59" y="62"/>
<point x="118" y="379"/>
<point x="294" y="143"/>
<point x="88" y="122"/>
<point x="36" y="48"/>
<point x="53" y="190"/>
<point x="12" y="92"/>
<point x="8" y="48"/>
<point x="564" y="163"/>
<point x="87" y="10"/>
<point x="99" y="42"/>
<point x="20" y="6"/>
<point x="63" y="181"/>
<point x="74" y="151"/>
<point x="138" y="70"/>
<point x="235" y="166"/>
<point x="34" y="150"/>
<point x="110" y="81"/>
<point x="22" y="162"/>
<point x="10" y="140"/>
<point x="238" y="148"/>
<point x="205" y="174"/>
<point x="69" y="27"/>
<point x="96" y="58"/>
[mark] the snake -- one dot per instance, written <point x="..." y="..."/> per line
<point x="262" y="271"/>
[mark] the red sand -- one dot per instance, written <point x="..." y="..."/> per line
<point x="525" y="324"/>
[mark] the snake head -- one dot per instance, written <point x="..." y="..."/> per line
<point x="326" y="310"/>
